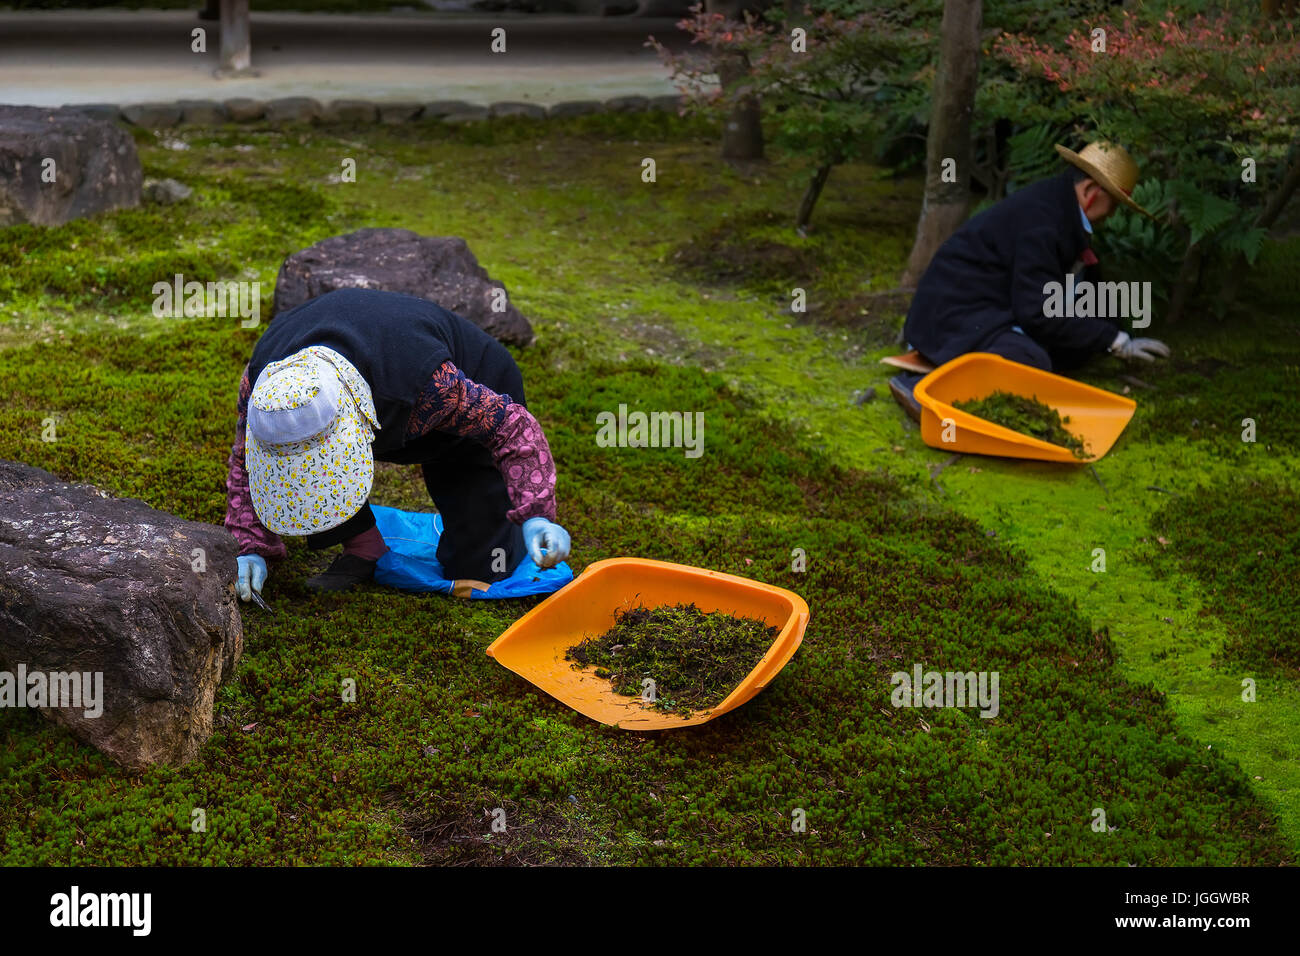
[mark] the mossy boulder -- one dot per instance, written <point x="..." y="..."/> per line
<point x="438" y="268"/>
<point x="63" y="164"/>
<point x="95" y="585"/>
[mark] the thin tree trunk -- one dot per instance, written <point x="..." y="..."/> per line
<point x="742" y="132"/>
<point x="1189" y="277"/>
<point x="1277" y="202"/>
<point x="949" y="137"/>
<point x="1237" y="266"/>
<point x="810" y="197"/>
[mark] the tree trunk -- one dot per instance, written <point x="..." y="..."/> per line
<point x="742" y="133"/>
<point x="949" y="137"/>
<point x="1189" y="277"/>
<point x="236" y="47"/>
<point x="1278" y="201"/>
<point x="810" y="197"/>
<point x="1272" y="211"/>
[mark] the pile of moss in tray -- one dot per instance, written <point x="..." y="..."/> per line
<point x="1028" y="416"/>
<point x="695" y="659"/>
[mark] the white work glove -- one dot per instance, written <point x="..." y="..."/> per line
<point x="548" y="544"/>
<point x="1145" y="350"/>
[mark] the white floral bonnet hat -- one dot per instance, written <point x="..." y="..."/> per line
<point x="311" y="421"/>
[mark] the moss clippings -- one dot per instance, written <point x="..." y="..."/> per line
<point x="1027" y="415"/>
<point x="694" y="659"/>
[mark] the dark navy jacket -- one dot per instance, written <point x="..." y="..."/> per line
<point x="990" y="274"/>
<point x="396" y="342"/>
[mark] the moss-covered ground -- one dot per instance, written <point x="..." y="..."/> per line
<point x="1120" y="690"/>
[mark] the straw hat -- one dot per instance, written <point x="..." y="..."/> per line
<point x="1110" y="167"/>
<point x="311" y="422"/>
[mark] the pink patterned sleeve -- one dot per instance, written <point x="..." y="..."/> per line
<point x="241" y="519"/>
<point x="454" y="404"/>
<point x="521" y="452"/>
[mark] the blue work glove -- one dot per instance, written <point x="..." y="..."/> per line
<point x="547" y="543"/>
<point x="252" y="575"/>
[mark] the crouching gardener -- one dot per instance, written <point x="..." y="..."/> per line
<point x="984" y="290"/>
<point x="358" y="375"/>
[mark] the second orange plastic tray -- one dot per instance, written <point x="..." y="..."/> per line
<point x="1096" y="415"/>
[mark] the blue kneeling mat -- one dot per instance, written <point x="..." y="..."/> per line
<point x="411" y="563"/>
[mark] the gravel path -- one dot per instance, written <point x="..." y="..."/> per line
<point x="126" y="57"/>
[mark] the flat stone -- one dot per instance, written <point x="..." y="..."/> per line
<point x="104" y="111"/>
<point x="241" y="109"/>
<point x="202" y="112"/>
<point x="393" y="113"/>
<point x="441" y="269"/>
<point x="459" y="118"/>
<point x="531" y="110"/>
<point x="440" y="108"/>
<point x="152" y="115"/>
<point x="96" y="585"/>
<point x="96" y="167"/>
<point x="166" y="191"/>
<point x="292" y="109"/>
<point x="627" y="104"/>
<point x="669" y="101"/>
<point x="575" y="108"/>
<point x="350" y="111"/>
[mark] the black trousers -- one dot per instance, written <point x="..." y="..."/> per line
<point x="1019" y="347"/>
<point x="478" y="540"/>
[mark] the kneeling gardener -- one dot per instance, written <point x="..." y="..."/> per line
<point x="984" y="290"/>
<point x="359" y="375"/>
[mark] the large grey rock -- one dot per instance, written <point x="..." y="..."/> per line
<point x="152" y="115"/>
<point x="95" y="584"/>
<point x="95" y="168"/>
<point x="292" y="109"/>
<point x="438" y="268"/>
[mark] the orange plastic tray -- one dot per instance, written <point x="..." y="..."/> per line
<point x="533" y="647"/>
<point x="1096" y="415"/>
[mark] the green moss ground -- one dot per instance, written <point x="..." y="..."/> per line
<point x="1117" y="690"/>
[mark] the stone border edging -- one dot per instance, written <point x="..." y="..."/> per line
<point x="303" y="109"/>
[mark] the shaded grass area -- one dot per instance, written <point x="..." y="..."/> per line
<point x="1241" y="540"/>
<point x="441" y="737"/>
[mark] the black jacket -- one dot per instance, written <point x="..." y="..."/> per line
<point x="396" y="342"/>
<point x="990" y="274"/>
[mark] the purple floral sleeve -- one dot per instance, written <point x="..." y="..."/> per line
<point x="241" y="519"/>
<point x="453" y="403"/>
